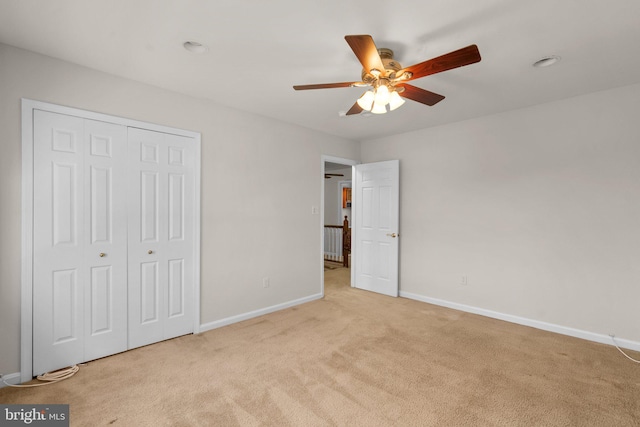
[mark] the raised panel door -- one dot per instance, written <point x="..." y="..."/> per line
<point x="58" y="274"/>
<point x="376" y="211"/>
<point x="105" y="240"/>
<point x="79" y="256"/>
<point x="179" y="231"/>
<point x="160" y="236"/>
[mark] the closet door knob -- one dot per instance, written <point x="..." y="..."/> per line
<point x="150" y="252"/>
<point x="102" y="254"/>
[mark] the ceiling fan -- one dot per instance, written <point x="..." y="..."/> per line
<point x="329" y="175"/>
<point x="389" y="80"/>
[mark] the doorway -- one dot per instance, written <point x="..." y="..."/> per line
<point x="375" y="224"/>
<point x="336" y="176"/>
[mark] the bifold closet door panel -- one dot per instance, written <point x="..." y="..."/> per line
<point x="79" y="213"/>
<point x="161" y="253"/>
<point x="105" y="224"/>
<point x="58" y="273"/>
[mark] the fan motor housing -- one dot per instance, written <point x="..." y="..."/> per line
<point x="390" y="66"/>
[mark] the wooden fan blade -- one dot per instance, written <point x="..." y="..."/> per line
<point x="324" y="85"/>
<point x="355" y="109"/>
<point x="419" y="95"/>
<point x="458" y="58"/>
<point x="366" y="51"/>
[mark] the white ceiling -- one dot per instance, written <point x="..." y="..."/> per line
<point x="259" y="49"/>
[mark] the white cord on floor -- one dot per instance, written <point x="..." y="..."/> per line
<point x="620" y="350"/>
<point x="50" y="377"/>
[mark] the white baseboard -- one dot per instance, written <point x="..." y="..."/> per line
<point x="564" y="330"/>
<point x="250" y="315"/>
<point x="10" y="379"/>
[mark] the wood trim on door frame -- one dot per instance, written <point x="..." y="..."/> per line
<point x="26" y="312"/>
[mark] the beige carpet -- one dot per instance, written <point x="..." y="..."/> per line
<point x="355" y="359"/>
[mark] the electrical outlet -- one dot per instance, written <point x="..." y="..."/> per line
<point x="265" y="282"/>
<point x="464" y="280"/>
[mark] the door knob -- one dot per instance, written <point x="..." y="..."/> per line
<point x="149" y="251"/>
<point x="102" y="254"/>
<point x="392" y="235"/>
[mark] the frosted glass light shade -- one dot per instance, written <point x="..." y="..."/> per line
<point x="378" y="108"/>
<point x="382" y="95"/>
<point x="395" y="101"/>
<point x="366" y="101"/>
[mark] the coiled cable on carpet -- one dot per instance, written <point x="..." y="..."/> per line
<point x="50" y="377"/>
<point x="613" y="338"/>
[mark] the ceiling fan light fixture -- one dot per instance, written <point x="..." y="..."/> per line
<point x="388" y="78"/>
<point x="382" y="95"/>
<point x="378" y="108"/>
<point x="366" y="100"/>
<point x="395" y="101"/>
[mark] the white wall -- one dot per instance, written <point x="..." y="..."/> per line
<point x="247" y="213"/>
<point x="539" y="207"/>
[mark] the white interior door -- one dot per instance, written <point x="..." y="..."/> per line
<point x="105" y="229"/>
<point x="80" y="200"/>
<point x="79" y="213"/>
<point x="161" y="236"/>
<point x="375" y="231"/>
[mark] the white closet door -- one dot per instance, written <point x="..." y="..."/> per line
<point x="161" y="253"/>
<point x="78" y="214"/>
<point x="105" y="225"/>
<point x="58" y="294"/>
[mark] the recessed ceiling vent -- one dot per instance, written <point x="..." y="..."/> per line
<point x="194" y="47"/>
<point x="546" y="62"/>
